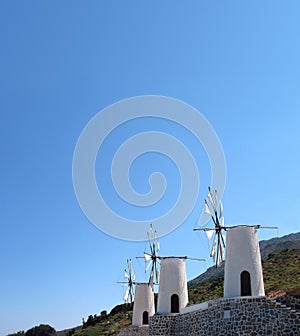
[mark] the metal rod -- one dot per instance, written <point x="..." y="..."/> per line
<point x="223" y="240"/>
<point x="203" y="229"/>
<point x="125" y="282"/>
<point x="197" y="259"/>
<point x="217" y="251"/>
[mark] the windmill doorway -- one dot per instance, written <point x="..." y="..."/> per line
<point x="245" y="284"/>
<point x="174" y="303"/>
<point x="145" y="317"/>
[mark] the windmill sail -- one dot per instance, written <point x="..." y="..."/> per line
<point x="209" y="234"/>
<point x="213" y="249"/>
<point x="221" y="210"/>
<point x="125" y="298"/>
<point x="147" y="267"/>
<point x="207" y="209"/>
<point x="147" y="256"/>
<point x="211" y="200"/>
<point x="214" y="208"/>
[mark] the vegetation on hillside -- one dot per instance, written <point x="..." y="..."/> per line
<point x="41" y="330"/>
<point x="107" y="324"/>
<point x="281" y="275"/>
<point x="209" y="291"/>
<point x="281" y="272"/>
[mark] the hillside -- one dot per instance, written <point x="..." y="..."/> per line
<point x="271" y="246"/>
<point x="281" y="270"/>
<point x="276" y="245"/>
<point x="281" y="273"/>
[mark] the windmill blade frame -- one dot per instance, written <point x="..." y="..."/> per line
<point x="152" y="258"/>
<point x="129" y="276"/>
<point x="214" y="207"/>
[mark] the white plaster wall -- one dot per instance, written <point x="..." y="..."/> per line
<point x="195" y="307"/>
<point x="242" y="254"/>
<point x="143" y="301"/>
<point x="172" y="281"/>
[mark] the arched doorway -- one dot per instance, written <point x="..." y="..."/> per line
<point x="145" y="317"/>
<point x="174" y="303"/>
<point x="245" y="284"/>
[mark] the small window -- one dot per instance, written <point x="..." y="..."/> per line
<point x="145" y="317"/>
<point x="226" y="314"/>
<point x="174" y="303"/>
<point x="245" y="284"/>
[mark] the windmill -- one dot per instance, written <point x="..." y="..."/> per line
<point x="152" y="258"/>
<point x="129" y="282"/>
<point x="214" y="208"/>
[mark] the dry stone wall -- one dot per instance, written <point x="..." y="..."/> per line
<point x="134" y="331"/>
<point x="224" y="317"/>
<point x="290" y="301"/>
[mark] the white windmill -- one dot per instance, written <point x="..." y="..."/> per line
<point x="143" y="306"/>
<point x="170" y="273"/>
<point x="243" y="269"/>
<point x="173" y="291"/>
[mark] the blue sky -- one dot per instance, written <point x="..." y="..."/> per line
<point x="63" y="61"/>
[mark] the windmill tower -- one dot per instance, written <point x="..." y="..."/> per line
<point x="143" y="306"/>
<point x="243" y="269"/>
<point x="142" y="298"/>
<point x="173" y="293"/>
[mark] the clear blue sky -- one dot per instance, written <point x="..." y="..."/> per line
<point x="237" y="62"/>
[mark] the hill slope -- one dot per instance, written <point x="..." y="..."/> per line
<point x="271" y="246"/>
<point x="281" y="272"/>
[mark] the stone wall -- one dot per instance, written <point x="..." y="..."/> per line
<point x="290" y="301"/>
<point x="161" y="325"/>
<point x="134" y="331"/>
<point x="224" y="317"/>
